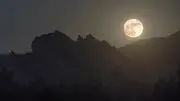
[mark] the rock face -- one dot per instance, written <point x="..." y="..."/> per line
<point x="52" y="43"/>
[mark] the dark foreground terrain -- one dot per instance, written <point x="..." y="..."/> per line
<point x="61" y="69"/>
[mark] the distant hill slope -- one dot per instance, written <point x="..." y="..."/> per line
<point x="156" y="55"/>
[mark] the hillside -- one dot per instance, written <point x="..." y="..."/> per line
<point x="55" y="56"/>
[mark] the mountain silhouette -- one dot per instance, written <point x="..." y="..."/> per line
<point x="158" y="56"/>
<point x="143" y="60"/>
<point x="88" y="62"/>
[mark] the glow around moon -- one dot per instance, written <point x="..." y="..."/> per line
<point x="133" y="28"/>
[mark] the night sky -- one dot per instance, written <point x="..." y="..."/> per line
<point x="22" y="20"/>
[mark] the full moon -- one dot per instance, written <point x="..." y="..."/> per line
<point x="133" y="28"/>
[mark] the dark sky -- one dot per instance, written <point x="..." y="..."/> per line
<point x="22" y="20"/>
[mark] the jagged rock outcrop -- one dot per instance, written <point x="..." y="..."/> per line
<point x="55" y="55"/>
